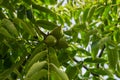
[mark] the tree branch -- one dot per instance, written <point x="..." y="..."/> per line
<point x="100" y="55"/>
<point x="85" y="67"/>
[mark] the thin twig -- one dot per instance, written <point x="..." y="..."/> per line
<point x="90" y="72"/>
<point x="86" y="68"/>
<point x="100" y="55"/>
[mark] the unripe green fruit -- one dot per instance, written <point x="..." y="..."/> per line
<point x="62" y="43"/>
<point x="50" y="40"/>
<point x="57" y="33"/>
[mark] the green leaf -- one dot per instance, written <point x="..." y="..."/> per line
<point x="39" y="75"/>
<point x="99" y="44"/>
<point x="85" y="14"/>
<point x="85" y="38"/>
<point x="117" y="73"/>
<point x="84" y="52"/>
<point x="60" y="3"/>
<point x="28" y="2"/>
<point x="116" y="36"/>
<point x="113" y="57"/>
<point x="46" y="24"/>
<point x="36" y="67"/>
<point x="5" y="73"/>
<point x="4" y="32"/>
<point x="43" y="9"/>
<point x="38" y="48"/>
<point x="114" y="1"/>
<point x="88" y="25"/>
<point x="95" y="78"/>
<point x="109" y="73"/>
<point x="72" y="71"/>
<point x="100" y="10"/>
<point x="95" y="48"/>
<point x="1" y="1"/>
<point x="54" y="76"/>
<point x="61" y="20"/>
<point x="92" y="32"/>
<point x="49" y="2"/>
<point x="62" y="74"/>
<point x="91" y="12"/>
<point x="25" y="26"/>
<point x="96" y="60"/>
<point x="36" y="58"/>
<point x="99" y="71"/>
<point x="87" y="74"/>
<point x="9" y="26"/>
<point x="62" y="57"/>
<point x="109" y="17"/>
<point x="53" y="56"/>
<point x="53" y="2"/>
<point x="106" y="12"/>
<point x="118" y="66"/>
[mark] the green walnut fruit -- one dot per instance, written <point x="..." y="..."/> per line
<point x="50" y="40"/>
<point x="57" y="32"/>
<point x="62" y="43"/>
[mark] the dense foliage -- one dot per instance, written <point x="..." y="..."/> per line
<point x="59" y="40"/>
